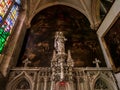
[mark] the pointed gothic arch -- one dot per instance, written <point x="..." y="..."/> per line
<point x="20" y="82"/>
<point x="59" y="3"/>
<point x="102" y="82"/>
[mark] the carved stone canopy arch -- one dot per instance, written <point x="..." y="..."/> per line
<point x="23" y="84"/>
<point x="103" y="82"/>
<point x="100" y="84"/>
<point x="19" y="84"/>
<point x="21" y="81"/>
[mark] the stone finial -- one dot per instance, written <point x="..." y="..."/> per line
<point x="54" y="56"/>
<point x="97" y="62"/>
<point x="69" y="59"/>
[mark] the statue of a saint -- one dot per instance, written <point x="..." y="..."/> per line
<point x="59" y="42"/>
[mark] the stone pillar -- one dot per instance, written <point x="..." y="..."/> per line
<point x="86" y="83"/>
<point x="52" y="85"/>
<point x="45" y="83"/>
<point x="38" y="81"/>
<point x="78" y="83"/>
<point x="81" y="81"/>
<point x="81" y="86"/>
<point x="72" y="85"/>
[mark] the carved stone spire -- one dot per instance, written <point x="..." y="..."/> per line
<point x="54" y="56"/>
<point x="69" y="59"/>
<point x="54" y="60"/>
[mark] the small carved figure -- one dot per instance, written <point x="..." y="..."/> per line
<point x="59" y="42"/>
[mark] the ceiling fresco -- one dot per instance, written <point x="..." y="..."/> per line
<point x="38" y="45"/>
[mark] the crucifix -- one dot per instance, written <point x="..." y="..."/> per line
<point x="97" y="62"/>
<point x="26" y="62"/>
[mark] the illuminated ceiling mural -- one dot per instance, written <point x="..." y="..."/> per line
<point x="81" y="40"/>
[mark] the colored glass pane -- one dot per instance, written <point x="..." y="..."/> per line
<point x="3" y="37"/>
<point x="2" y="43"/>
<point x="1" y="19"/>
<point x="5" y="8"/>
<point x="1" y="30"/>
<point x="18" y="1"/>
<point x="14" y="11"/>
<point x="9" y="21"/>
<point x="8" y="2"/>
<point x="2" y="8"/>
<point x="4" y="5"/>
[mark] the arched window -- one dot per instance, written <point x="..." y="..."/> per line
<point x="101" y="85"/>
<point x="8" y="16"/>
<point x="23" y="85"/>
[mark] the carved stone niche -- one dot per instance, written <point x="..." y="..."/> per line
<point x="101" y="80"/>
<point x="23" y="84"/>
<point x="100" y="84"/>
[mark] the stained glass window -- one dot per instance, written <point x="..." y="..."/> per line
<point x="4" y="6"/>
<point x="9" y="22"/>
<point x="18" y="1"/>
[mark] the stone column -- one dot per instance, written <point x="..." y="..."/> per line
<point x="78" y="83"/>
<point x="81" y="81"/>
<point x="52" y="85"/>
<point x="45" y="83"/>
<point x="71" y="85"/>
<point x="38" y="81"/>
<point x="86" y="83"/>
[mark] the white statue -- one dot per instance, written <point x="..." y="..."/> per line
<point x="59" y="42"/>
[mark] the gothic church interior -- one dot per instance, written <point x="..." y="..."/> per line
<point x="59" y="45"/>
